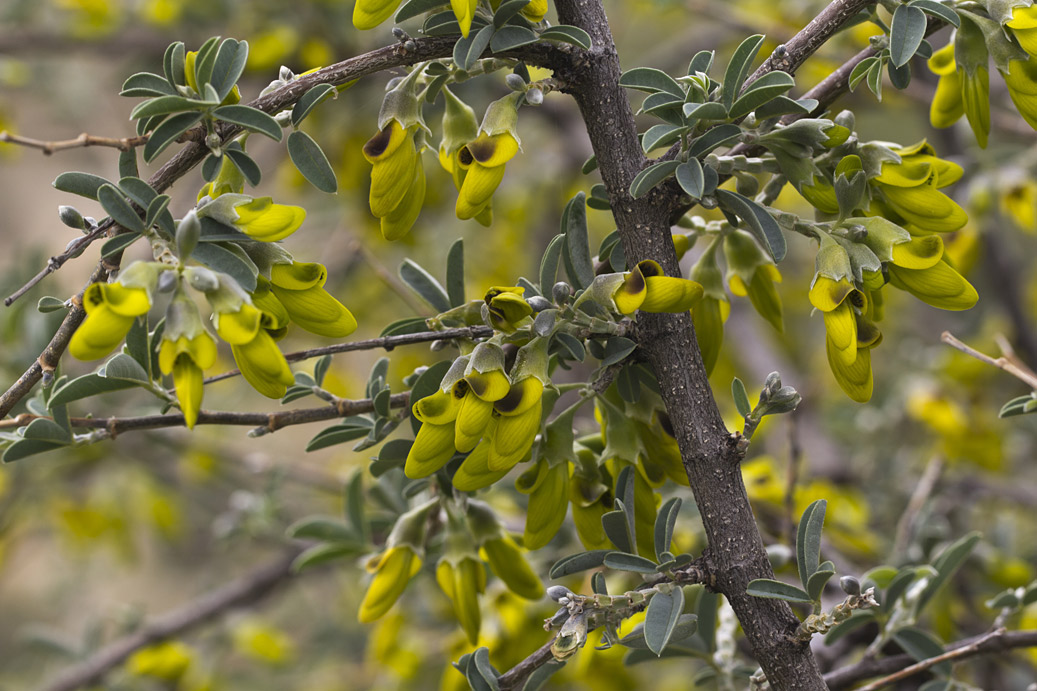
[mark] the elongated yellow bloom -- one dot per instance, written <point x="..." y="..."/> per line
<point x="464" y="10"/>
<point x="261" y="219"/>
<point x="519" y="421"/>
<point x="483" y="163"/>
<point x="548" y="488"/>
<point x="393" y="571"/>
<point x="110" y="311"/>
<point x="646" y="288"/>
<point x="1024" y="27"/>
<point x="367" y="14"/>
<point x="911" y="189"/>
<point x="462" y="581"/>
<point x="947" y="107"/>
<point x="535" y="10"/>
<point x="392" y="155"/>
<point x="1021" y="80"/>
<point x="187" y="359"/>
<point x="509" y="564"/>
<point x="299" y="286"/>
<point x="254" y="351"/>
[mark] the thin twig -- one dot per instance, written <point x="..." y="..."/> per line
<point x="246" y="590"/>
<point x="83" y="140"/>
<point x="923" y="490"/>
<point x="1023" y="374"/>
<point x="792" y="480"/>
<point x="999" y="641"/>
<point x="384" y="342"/>
<point x="388" y="278"/>
<point x="973" y="648"/>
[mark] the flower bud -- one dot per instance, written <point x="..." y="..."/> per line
<point x="850" y="585"/>
<point x="71" y="217"/>
<point x="557" y="592"/>
<point x="561" y="292"/>
<point x="515" y="82"/>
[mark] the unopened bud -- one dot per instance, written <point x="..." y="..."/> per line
<point x="285" y="74"/>
<point x="557" y="592"/>
<point x="437" y="346"/>
<point x="539" y="303"/>
<point x="534" y="97"/>
<point x="772" y="384"/>
<point x="213" y="141"/>
<point x="515" y="82"/>
<point x="561" y="292"/>
<point x="166" y="281"/>
<point x="850" y="585"/>
<point x="71" y="217"/>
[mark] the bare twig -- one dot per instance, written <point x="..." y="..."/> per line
<point x="384" y="342"/>
<point x="919" y="496"/>
<point x="246" y="590"/>
<point x="1023" y="374"/>
<point x="999" y="641"/>
<point x="966" y="651"/>
<point x="83" y="140"/>
<point x="263" y="422"/>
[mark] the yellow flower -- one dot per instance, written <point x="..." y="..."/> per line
<point x="1024" y="27"/>
<point x="474" y="472"/>
<point x="187" y="359"/>
<point x="534" y="11"/>
<point x="393" y="570"/>
<point x="547" y="485"/>
<point x="398" y="222"/>
<point x="299" y="286"/>
<point x="367" y="14"/>
<point x="393" y="157"/>
<point x="254" y="350"/>
<point x="519" y="420"/>
<point x="1019" y="202"/>
<point x="711" y="312"/>
<point x="482" y="162"/>
<point x="434" y="443"/>
<point x="509" y="564"/>
<point x="648" y="289"/>
<point x="462" y="581"/>
<point x="189" y="64"/>
<point x="836" y="299"/>
<point x="947" y="106"/>
<point x="911" y="189"/>
<point x="938" y="285"/>
<point x="263" y="220"/>
<point x="166" y="661"/>
<point x="229" y="180"/>
<point x="110" y="311"/>
<point x="751" y="273"/>
<point x="464" y="10"/>
<point x="507" y="307"/>
<point x="1021" y="80"/>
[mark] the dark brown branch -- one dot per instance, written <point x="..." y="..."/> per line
<point x="384" y="342"/>
<point x="986" y="644"/>
<point x="711" y="454"/>
<point x="246" y="590"/>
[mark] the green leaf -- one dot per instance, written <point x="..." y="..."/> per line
<point x="875" y="80"/>
<point x="666" y="107"/>
<point x="173" y="64"/>
<point x="763" y="90"/>
<point x="87" y="385"/>
<point x="861" y="617"/>
<point x="664" y="611"/>
<point x="118" y="244"/>
<point x="741" y="397"/>
<point x="119" y="209"/>
<point x="24" y="448"/>
<point x="442" y="24"/>
<point x="717" y="136"/>
<point x="758" y="222"/>
<point x="255" y="120"/>
<point x="738" y="68"/>
<point x="817" y="582"/>
<point x="575" y="563"/>
<point x="322" y="554"/>
<point x="691" y="178"/>
<point x="617" y="529"/>
<point x="163" y="105"/>
<point x="705" y="111"/>
<point x="629" y="562"/>
<point x="904" y="578"/>
<point x="686" y="626"/>
<point x="899" y="77"/>
<point x="124" y="368"/>
<point x="1016" y="406"/>
<point x="455" y="273"/>
<point x="156" y="208"/>
<point x="577" y="244"/>
<point x="511" y="37"/>
<point x="321" y="528"/>
<point x="229" y="259"/>
<point x="168" y="132"/>
<point x="921" y="645"/>
<point x="541" y="674"/>
<point x="423" y="283"/>
<point x="480" y="673"/>
<point x="572" y="345"/>
<point x="83" y="184"/>
<point x="467" y="51"/>
<point x="249" y="168"/>
<point x="808" y="540"/>
<point x="339" y="434"/>
<point x="776" y="590"/>
<point x="49" y="303"/>
<point x="381" y="402"/>
<point x="507" y="10"/>
<point x="652" y="176"/>
<point x="354" y="500"/>
<point x="311" y="162"/>
<point x="309" y="101"/>
<point x="228" y="66"/>
<point x="415" y="7"/>
<point x="938" y="10"/>
<point x="617" y="349"/>
<point x="146" y="84"/>
<point x="860" y="71"/>
<point x="664" y="524"/>
<point x="567" y="34"/>
<point x="411" y="325"/>
<point x="43" y="429"/>
<point x="783" y="105"/>
<point x="949" y="561"/>
<point x="549" y="264"/>
<point x="661" y="135"/>
<point x="651" y="80"/>
<point x="906" y="33"/>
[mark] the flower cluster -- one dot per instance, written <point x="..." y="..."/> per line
<point x="367" y="14"/>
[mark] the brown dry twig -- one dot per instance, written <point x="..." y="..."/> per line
<point x="82" y="141"/>
<point x="1009" y="364"/>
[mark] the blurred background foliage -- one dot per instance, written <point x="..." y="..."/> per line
<point x="95" y="539"/>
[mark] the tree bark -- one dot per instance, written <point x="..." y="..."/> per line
<point x="711" y="454"/>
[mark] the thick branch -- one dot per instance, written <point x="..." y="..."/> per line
<point x="736" y="554"/>
<point x="986" y="644"/>
<point x="246" y="590"/>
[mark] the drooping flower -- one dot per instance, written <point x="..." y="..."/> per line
<point x="259" y="218"/>
<point x="1019" y="202"/>
<point x="110" y="310"/>
<point x="547" y="484"/>
<point x="947" y="107"/>
<point x="481" y="161"/>
<point x="503" y="554"/>
<point x="751" y="273"/>
<point x="367" y="14"/>
<point x="464" y="10"/>
<point x="299" y="286"/>
<point x="911" y="190"/>
<point x="648" y="289"/>
<point x="1021" y="80"/>
<point x="508" y="310"/>
<point x="255" y="352"/>
<point x="187" y="350"/>
<point x="1023" y="25"/>
<point x="398" y="564"/>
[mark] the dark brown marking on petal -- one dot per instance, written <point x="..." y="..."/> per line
<point x="482" y="149"/>
<point x="635" y="281"/>
<point x="464" y="157"/>
<point x="510" y="400"/>
<point x="460" y="389"/>
<point x="377" y="144"/>
<point x="479" y="385"/>
<point x="857" y="299"/>
<point x="649" y="268"/>
<point x="664" y="422"/>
